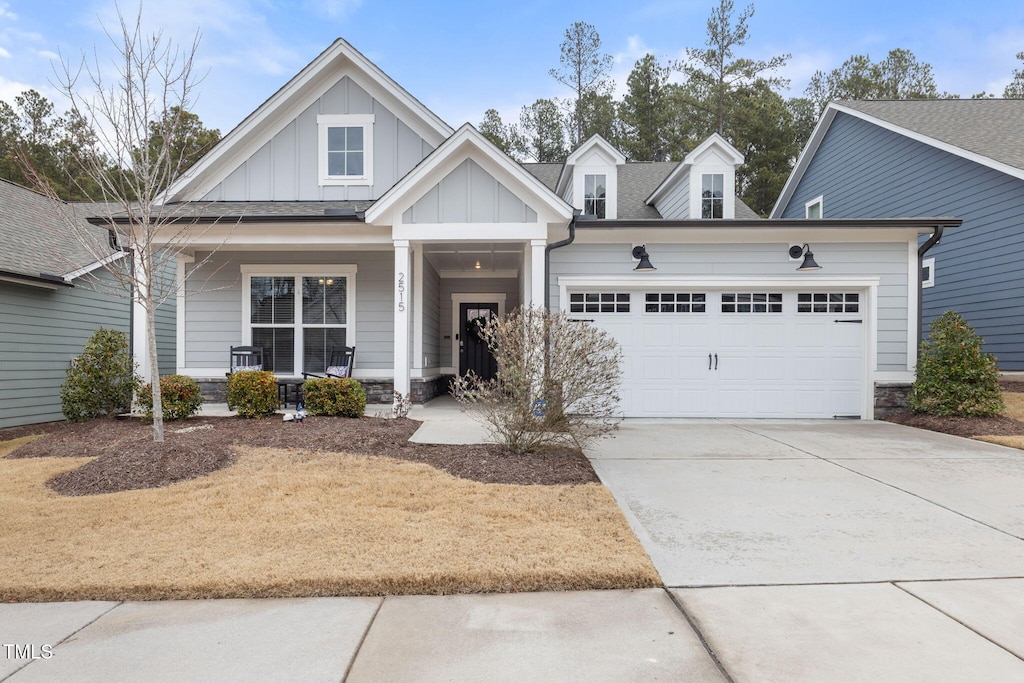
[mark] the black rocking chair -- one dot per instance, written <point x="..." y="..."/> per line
<point x="245" y="358"/>
<point x="340" y="363"/>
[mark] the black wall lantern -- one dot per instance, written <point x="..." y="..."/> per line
<point x="805" y="251"/>
<point x="645" y="260"/>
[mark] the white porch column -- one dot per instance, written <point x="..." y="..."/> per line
<point x="537" y="294"/>
<point x="140" y="352"/>
<point x="402" y="309"/>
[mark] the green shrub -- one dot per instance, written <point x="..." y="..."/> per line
<point x="253" y="393"/>
<point x="179" y="394"/>
<point x="953" y="376"/>
<point x="102" y="380"/>
<point x="330" y="396"/>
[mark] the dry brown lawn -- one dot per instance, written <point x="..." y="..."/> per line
<point x="296" y="523"/>
<point x="1014" y="405"/>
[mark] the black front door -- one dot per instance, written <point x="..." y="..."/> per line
<point x="473" y="352"/>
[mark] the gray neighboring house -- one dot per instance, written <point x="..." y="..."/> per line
<point x="52" y="298"/>
<point x="344" y="212"/>
<point x="963" y="158"/>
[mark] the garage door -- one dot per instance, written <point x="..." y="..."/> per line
<point x="710" y="353"/>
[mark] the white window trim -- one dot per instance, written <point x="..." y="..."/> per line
<point x="928" y="263"/>
<point x="605" y="183"/>
<point x="820" y="201"/>
<point x="254" y="270"/>
<point x="325" y="121"/>
<point x="725" y="194"/>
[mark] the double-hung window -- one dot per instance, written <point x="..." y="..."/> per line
<point x="595" y="194"/>
<point x="712" y="195"/>
<point x="346" y="149"/>
<point x="298" y="314"/>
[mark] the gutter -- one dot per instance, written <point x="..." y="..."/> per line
<point x="44" y="279"/>
<point x="921" y="251"/>
<point x="547" y="258"/>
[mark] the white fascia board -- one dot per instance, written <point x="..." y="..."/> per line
<point x="795" y="281"/>
<point x="469" y="232"/>
<point x="715" y="140"/>
<point x="467" y="142"/>
<point x="93" y="266"/>
<point x="278" y="236"/>
<point x="751" y="235"/>
<point x="292" y="99"/>
<point x="803" y="160"/>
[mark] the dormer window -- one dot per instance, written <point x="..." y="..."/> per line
<point x="712" y="203"/>
<point x="595" y="195"/>
<point x="346" y="149"/>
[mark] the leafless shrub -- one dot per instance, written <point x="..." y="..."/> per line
<point x="557" y="382"/>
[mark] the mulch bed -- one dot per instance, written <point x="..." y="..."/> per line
<point x="127" y="458"/>
<point x="959" y="426"/>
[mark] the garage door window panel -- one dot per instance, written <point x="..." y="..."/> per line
<point x="675" y="302"/>
<point x="752" y="302"/>
<point x="828" y="302"/>
<point x="599" y="302"/>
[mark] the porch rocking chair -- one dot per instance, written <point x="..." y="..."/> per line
<point x="340" y="363"/>
<point x="245" y="358"/>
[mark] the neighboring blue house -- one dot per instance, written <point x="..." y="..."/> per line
<point x="54" y="293"/>
<point x="962" y="158"/>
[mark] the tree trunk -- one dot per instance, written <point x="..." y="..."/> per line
<point x="149" y="305"/>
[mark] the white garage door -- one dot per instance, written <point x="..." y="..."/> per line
<point x="708" y="353"/>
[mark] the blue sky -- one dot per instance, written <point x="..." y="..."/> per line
<point x="461" y="58"/>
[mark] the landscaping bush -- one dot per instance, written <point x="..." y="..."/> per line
<point x="954" y="377"/>
<point x="102" y="380"/>
<point x="179" y="394"/>
<point x="253" y="393"/>
<point x="331" y="396"/>
<point x="557" y="382"/>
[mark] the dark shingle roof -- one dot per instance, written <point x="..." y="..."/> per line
<point x="36" y="238"/>
<point x="547" y="173"/>
<point x="989" y="127"/>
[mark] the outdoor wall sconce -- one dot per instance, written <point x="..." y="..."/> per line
<point x="805" y="251"/>
<point x="645" y="260"/>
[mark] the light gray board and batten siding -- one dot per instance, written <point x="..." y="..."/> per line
<point x="469" y="194"/>
<point x="886" y="260"/>
<point x="866" y="171"/>
<point x="287" y="167"/>
<point x="213" y="308"/>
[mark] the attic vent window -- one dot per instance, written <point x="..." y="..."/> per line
<point x="345" y="149"/>
<point x="594" y="195"/>
<point x="712" y="193"/>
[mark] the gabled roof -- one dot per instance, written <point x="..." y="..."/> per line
<point x="986" y="131"/>
<point x="595" y="141"/>
<point x="466" y="142"/>
<point x="714" y="140"/>
<point x="288" y="102"/>
<point x="38" y="248"/>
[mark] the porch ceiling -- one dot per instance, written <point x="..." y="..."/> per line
<point x="479" y="258"/>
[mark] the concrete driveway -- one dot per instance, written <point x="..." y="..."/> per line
<point x="803" y="550"/>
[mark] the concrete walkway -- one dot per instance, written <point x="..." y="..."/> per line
<point x="792" y="551"/>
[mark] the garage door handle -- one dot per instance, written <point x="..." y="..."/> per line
<point x="709" y="361"/>
<point x="716" y="361"/>
<point x="847" y="321"/>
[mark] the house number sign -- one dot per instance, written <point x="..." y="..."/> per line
<point x="401" y="292"/>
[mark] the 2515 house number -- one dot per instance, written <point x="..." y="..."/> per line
<point x="401" y="291"/>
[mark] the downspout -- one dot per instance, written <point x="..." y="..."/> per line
<point x="922" y="250"/>
<point x="547" y="257"/>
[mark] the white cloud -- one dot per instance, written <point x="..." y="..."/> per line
<point x="4" y="54"/>
<point x="6" y="13"/>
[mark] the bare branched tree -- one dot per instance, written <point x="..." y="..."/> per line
<point x="148" y="99"/>
<point x="557" y="381"/>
